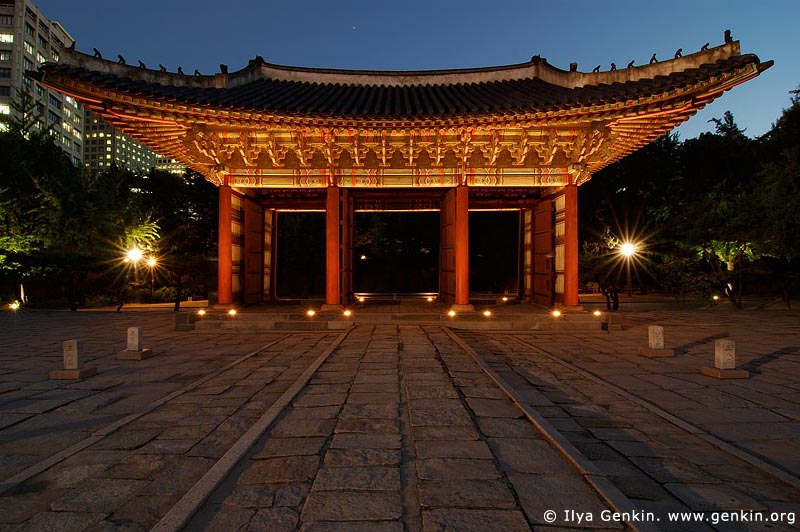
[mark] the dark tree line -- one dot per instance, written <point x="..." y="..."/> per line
<point x="64" y="231"/>
<point x="718" y="213"/>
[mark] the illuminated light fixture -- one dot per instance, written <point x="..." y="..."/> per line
<point x="201" y="312"/>
<point x="360" y="299"/>
<point x="452" y="313"/>
<point x="556" y="313"/>
<point x="430" y="299"/>
<point x="310" y="313"/>
<point x="715" y="298"/>
<point x="505" y="299"/>
<point x="135" y="254"/>
<point x="363" y="257"/>
<point x="627" y="249"/>
<point x="14" y="305"/>
<point x="232" y="312"/>
<point x="597" y="313"/>
<point x="151" y="262"/>
<point x="487" y="313"/>
<point x="347" y="313"/>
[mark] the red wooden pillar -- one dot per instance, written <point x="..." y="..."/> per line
<point x="462" y="248"/>
<point x="571" y="245"/>
<point x="224" y="250"/>
<point x="332" y="292"/>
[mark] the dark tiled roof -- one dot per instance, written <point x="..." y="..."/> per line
<point x="364" y="100"/>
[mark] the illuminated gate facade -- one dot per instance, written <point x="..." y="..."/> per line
<point x="522" y="136"/>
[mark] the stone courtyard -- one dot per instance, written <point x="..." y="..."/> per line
<point x="400" y="427"/>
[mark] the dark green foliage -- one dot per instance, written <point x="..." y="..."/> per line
<point x="61" y="227"/>
<point x="719" y="212"/>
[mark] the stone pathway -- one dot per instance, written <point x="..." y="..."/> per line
<point x="399" y="430"/>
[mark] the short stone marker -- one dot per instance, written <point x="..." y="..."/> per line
<point x="135" y="351"/>
<point x="72" y="364"/>
<point x="655" y="343"/>
<point x="725" y="362"/>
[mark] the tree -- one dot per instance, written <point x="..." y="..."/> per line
<point x="185" y="207"/>
<point x="778" y="200"/>
<point x="57" y="223"/>
<point x="717" y="219"/>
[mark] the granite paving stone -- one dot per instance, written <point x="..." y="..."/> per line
<point x="468" y="520"/>
<point x="352" y="506"/>
<point x="375" y="478"/>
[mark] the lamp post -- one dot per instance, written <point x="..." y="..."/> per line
<point x="628" y="250"/>
<point x="151" y="263"/>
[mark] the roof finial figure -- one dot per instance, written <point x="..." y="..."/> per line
<point x="630" y="65"/>
<point x="678" y="53"/>
<point x="596" y="69"/>
<point x="141" y="65"/>
<point x="161" y="68"/>
<point x="97" y="53"/>
<point x="705" y="47"/>
<point x="573" y="67"/>
<point x="613" y="66"/>
<point x="653" y="59"/>
<point x="728" y="38"/>
<point x="197" y="73"/>
<point x="180" y="71"/>
<point x="120" y="59"/>
<point x="223" y="69"/>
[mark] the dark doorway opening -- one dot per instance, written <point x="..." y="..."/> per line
<point x="493" y="252"/>
<point x="300" y="255"/>
<point x="396" y="252"/>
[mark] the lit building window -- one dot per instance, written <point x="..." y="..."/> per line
<point x="6" y="37"/>
<point x="40" y="58"/>
<point x="28" y="47"/>
<point x="5" y="109"/>
<point x="5" y="55"/>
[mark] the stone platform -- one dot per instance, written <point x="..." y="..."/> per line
<point x="519" y="317"/>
